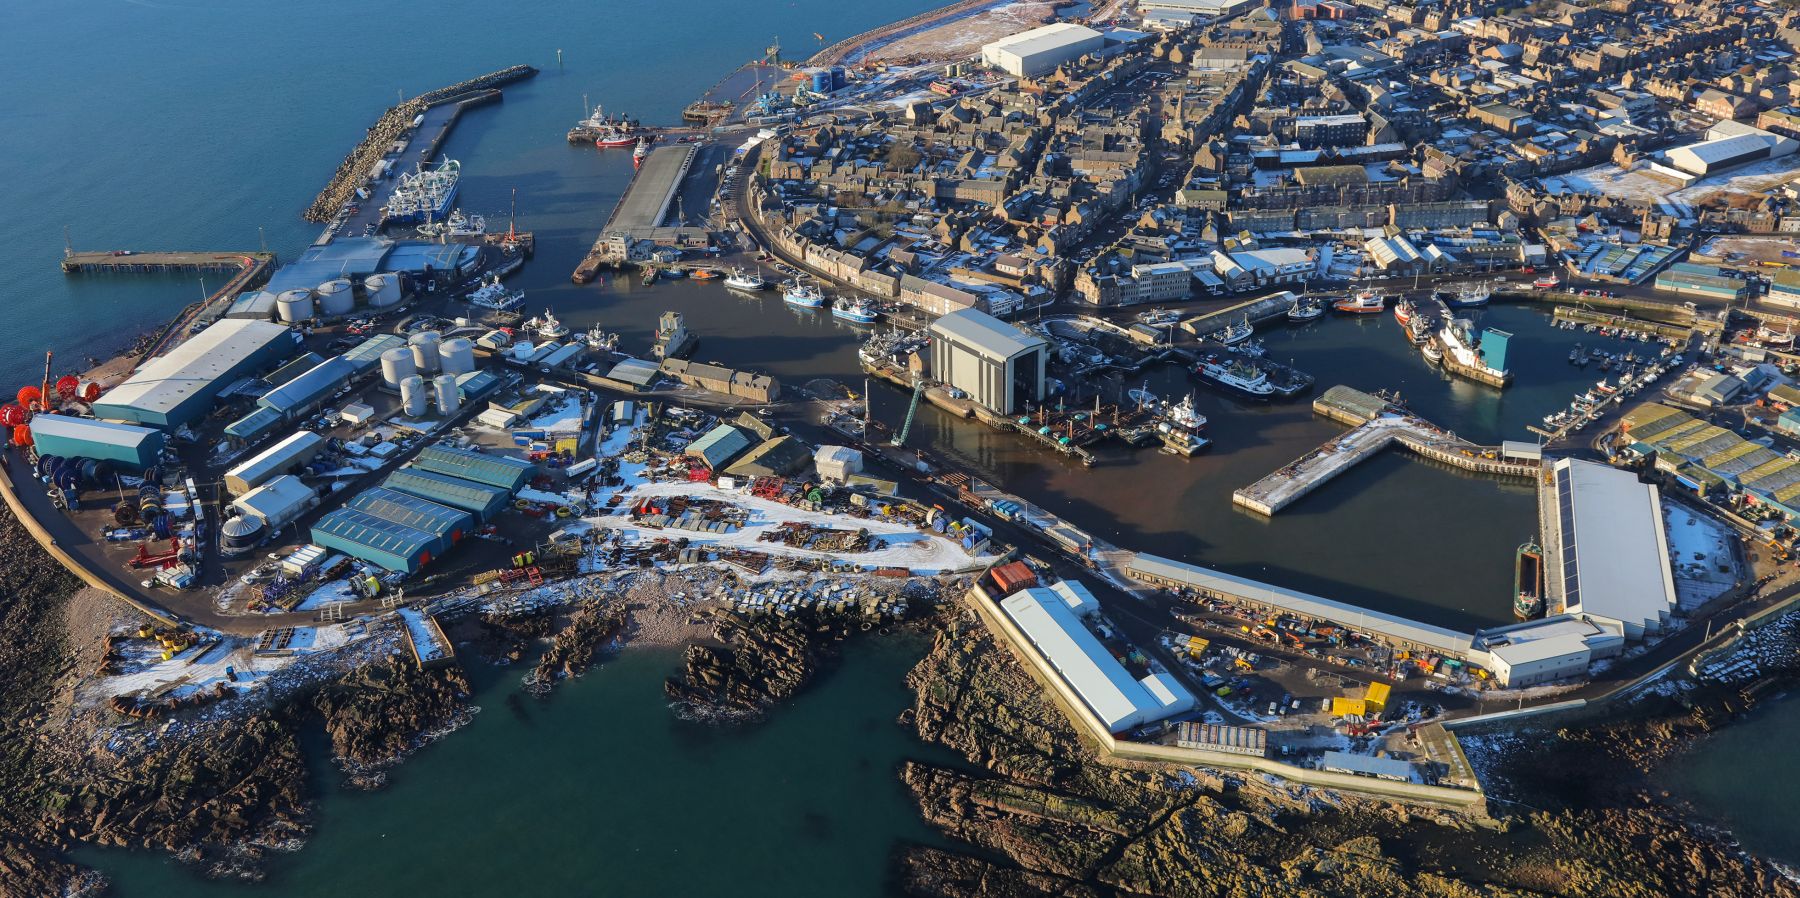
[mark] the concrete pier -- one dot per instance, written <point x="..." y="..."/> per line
<point x="641" y="210"/>
<point x="1377" y="425"/>
<point x="137" y="262"/>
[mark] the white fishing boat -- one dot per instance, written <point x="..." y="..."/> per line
<point x="493" y="295"/>
<point x="744" y="279"/>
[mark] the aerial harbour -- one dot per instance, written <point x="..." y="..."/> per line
<point x="1020" y="371"/>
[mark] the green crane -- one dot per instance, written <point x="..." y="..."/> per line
<point x="911" y="410"/>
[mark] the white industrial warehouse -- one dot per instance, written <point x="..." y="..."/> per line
<point x="1032" y="53"/>
<point x="1608" y="558"/>
<point x="1000" y="366"/>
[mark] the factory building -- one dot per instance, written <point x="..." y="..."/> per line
<point x="282" y="458"/>
<point x="1688" y="279"/>
<point x="386" y="544"/>
<point x="304" y="394"/>
<point x="1709" y="157"/>
<point x="277" y="503"/>
<point x="1608" y="558"/>
<point x="1032" y="53"/>
<point x="1000" y="366"/>
<point x="128" y="446"/>
<point x="1078" y="658"/>
<point x="178" y="388"/>
<point x="1544" y="651"/>
<point x="357" y="258"/>
<point x="448" y="525"/>
<point x="480" y="500"/>
<point x="718" y="446"/>
<point x="492" y="470"/>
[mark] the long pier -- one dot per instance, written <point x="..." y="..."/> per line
<point x="1377" y="425"/>
<point x="643" y="206"/>
<point x="133" y="262"/>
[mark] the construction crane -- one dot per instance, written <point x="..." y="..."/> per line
<point x="912" y="409"/>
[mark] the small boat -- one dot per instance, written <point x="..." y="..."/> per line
<point x="1469" y="296"/>
<point x="649" y="276"/>
<point x="1304" y="310"/>
<point x="491" y="295"/>
<point x="1365" y="302"/>
<point x="704" y="274"/>
<point x="674" y="271"/>
<point x="1403" y="312"/>
<point x="548" y="326"/>
<point x="1528" y="582"/>
<point x="643" y="150"/>
<point x="802" y="295"/>
<point x="1159" y="316"/>
<point x="742" y="279"/>
<point x="1251" y="348"/>
<point x="1433" y="352"/>
<point x="1605" y="388"/>
<point x="1236" y="333"/>
<point x="855" y="311"/>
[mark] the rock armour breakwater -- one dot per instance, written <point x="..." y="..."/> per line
<point x="388" y="128"/>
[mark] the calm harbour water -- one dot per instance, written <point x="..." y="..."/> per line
<point x="1721" y="778"/>
<point x="192" y="125"/>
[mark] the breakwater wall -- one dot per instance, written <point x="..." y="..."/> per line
<point x="843" y="50"/>
<point x="388" y="128"/>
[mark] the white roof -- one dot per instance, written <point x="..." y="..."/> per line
<point x="1725" y="149"/>
<point x="1168" y="692"/>
<point x="106" y="432"/>
<point x="1102" y="682"/>
<point x="1049" y="37"/>
<point x="162" y="383"/>
<point x="1614" y="525"/>
<point x="1304" y="604"/>
<point x="1369" y="764"/>
<point x="275" y="500"/>
<point x="279" y="455"/>
<point x="1076" y="595"/>
<point x="985" y="334"/>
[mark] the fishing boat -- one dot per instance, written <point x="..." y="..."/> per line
<point x="1364" y="302"/>
<point x="1462" y="344"/>
<point x="855" y="311"/>
<point x="643" y="150"/>
<point x="1236" y="333"/>
<point x="1433" y="352"/>
<point x="1528" y="582"/>
<point x="1155" y="317"/>
<point x="704" y="274"/>
<point x="743" y="279"/>
<point x="1465" y="296"/>
<point x="1180" y="427"/>
<point x="600" y="340"/>
<point x="674" y="271"/>
<point x="1304" y="310"/>
<point x="1254" y="349"/>
<point x="1605" y="388"/>
<point x="491" y="295"/>
<point x="459" y="224"/>
<point x="424" y="195"/>
<point x="1239" y="378"/>
<point x="1403" y="312"/>
<point x="1772" y="338"/>
<point x="548" y="326"/>
<point x="802" y="295"/>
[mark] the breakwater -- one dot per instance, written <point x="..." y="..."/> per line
<point x="388" y="128"/>
<point x="844" y="50"/>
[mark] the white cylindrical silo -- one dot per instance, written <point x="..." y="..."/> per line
<point x="396" y="366"/>
<point x="449" y="395"/>
<point x="413" y="398"/>
<point x="456" y="356"/>
<point x="425" y="351"/>
<point x="335" y="298"/>
<point x="382" y="290"/>
<point x="294" y="305"/>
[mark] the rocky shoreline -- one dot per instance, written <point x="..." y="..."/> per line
<point x="751" y="666"/>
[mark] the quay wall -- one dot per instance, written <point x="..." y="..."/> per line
<point x="1588" y="316"/>
<point x="388" y="128"/>
<point x="1086" y="723"/>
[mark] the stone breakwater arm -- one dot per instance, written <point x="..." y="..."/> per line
<point x="838" y="52"/>
<point x="388" y="128"/>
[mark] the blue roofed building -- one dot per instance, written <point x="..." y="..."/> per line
<point x="719" y="446"/>
<point x="479" y="499"/>
<point x="380" y="542"/>
<point x="178" y="387"/>
<point x="306" y="392"/>
<point x="494" y="470"/>
<point x="448" y="525"/>
<point x="134" y="448"/>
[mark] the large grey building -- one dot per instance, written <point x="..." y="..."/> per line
<point x="998" y="365"/>
<point x="1031" y="53"/>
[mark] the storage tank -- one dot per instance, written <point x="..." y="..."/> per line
<point x="425" y="346"/>
<point x="294" y="305"/>
<point x="456" y="356"/>
<point x="837" y="77"/>
<point x="397" y="365"/>
<point x="413" y="398"/>
<point x="383" y="290"/>
<point x="821" y="81"/>
<point x="449" y="397"/>
<point x="335" y="298"/>
<point x="239" y="535"/>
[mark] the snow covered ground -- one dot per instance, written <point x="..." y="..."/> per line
<point x="1698" y="547"/>
<point x="203" y="666"/>
<point x="1611" y="180"/>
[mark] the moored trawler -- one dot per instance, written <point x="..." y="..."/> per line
<point x="855" y="311"/>
<point x="1238" y="378"/>
<point x="1304" y="310"/>
<point x="1180" y="427"/>
<point x="1528" y="582"/>
<point x="1236" y="333"/>
<point x="491" y="295"/>
<point x="424" y="195"/>
<point x="803" y="295"/>
<point x="744" y="279"/>
<point x="1364" y="302"/>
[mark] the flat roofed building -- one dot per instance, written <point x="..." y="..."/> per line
<point x="1367" y="765"/>
<point x="1611" y="565"/>
<point x="1034" y="52"/>
<point x="130" y="446"/>
<point x="178" y="387"/>
<point x="1000" y="366"/>
<point x="1543" y="651"/>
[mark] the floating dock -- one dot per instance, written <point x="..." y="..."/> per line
<point x="642" y="209"/>
<point x="1377" y="424"/>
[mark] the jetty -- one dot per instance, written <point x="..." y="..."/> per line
<point x="640" y="212"/>
<point x="1376" y="424"/>
<point x="135" y="262"/>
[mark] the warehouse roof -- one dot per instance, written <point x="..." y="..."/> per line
<point x="494" y="470"/>
<point x="1049" y="37"/>
<point x="367" y="354"/>
<point x="1616" y="558"/>
<point x="452" y="491"/>
<point x="718" y="445"/>
<point x="1367" y="765"/>
<point x="364" y="529"/>
<point x="1722" y="151"/>
<point x="317" y="383"/>
<point x="414" y="512"/>
<point x="1389" y="625"/>
<point x="1077" y="655"/>
<point x="163" y="383"/>
<point x="71" y="428"/>
<point x="299" y="446"/>
<point x="777" y="457"/>
<point x="277" y="500"/>
<point x="253" y="425"/>
<point x="985" y="334"/>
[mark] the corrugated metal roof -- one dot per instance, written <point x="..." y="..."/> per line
<point x="254" y="425"/>
<point x="414" y="512"/>
<point x="452" y="491"/>
<point x="299" y="365"/>
<point x="719" y="444"/>
<point x="163" y="383"/>
<point x="67" y="427"/>
<point x="317" y="383"/>
<point x="493" y="470"/>
<point x="367" y="354"/>
<point x="363" y="529"/>
<point x="1077" y="655"/>
<point x="277" y="501"/>
<point x="985" y="334"/>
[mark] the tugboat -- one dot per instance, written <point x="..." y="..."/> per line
<point x="491" y="295"/>
<point x="855" y="311"/>
<point x="548" y="327"/>
<point x="802" y="295"/>
<point x="741" y="279"/>
<point x="1236" y="333"/>
<point x="1239" y="378"/>
<point x="1528" y="582"/>
<point x="1180" y="426"/>
<point x="1365" y="302"/>
<point x="1304" y="310"/>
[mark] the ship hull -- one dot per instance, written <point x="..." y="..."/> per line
<point x="1232" y="389"/>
